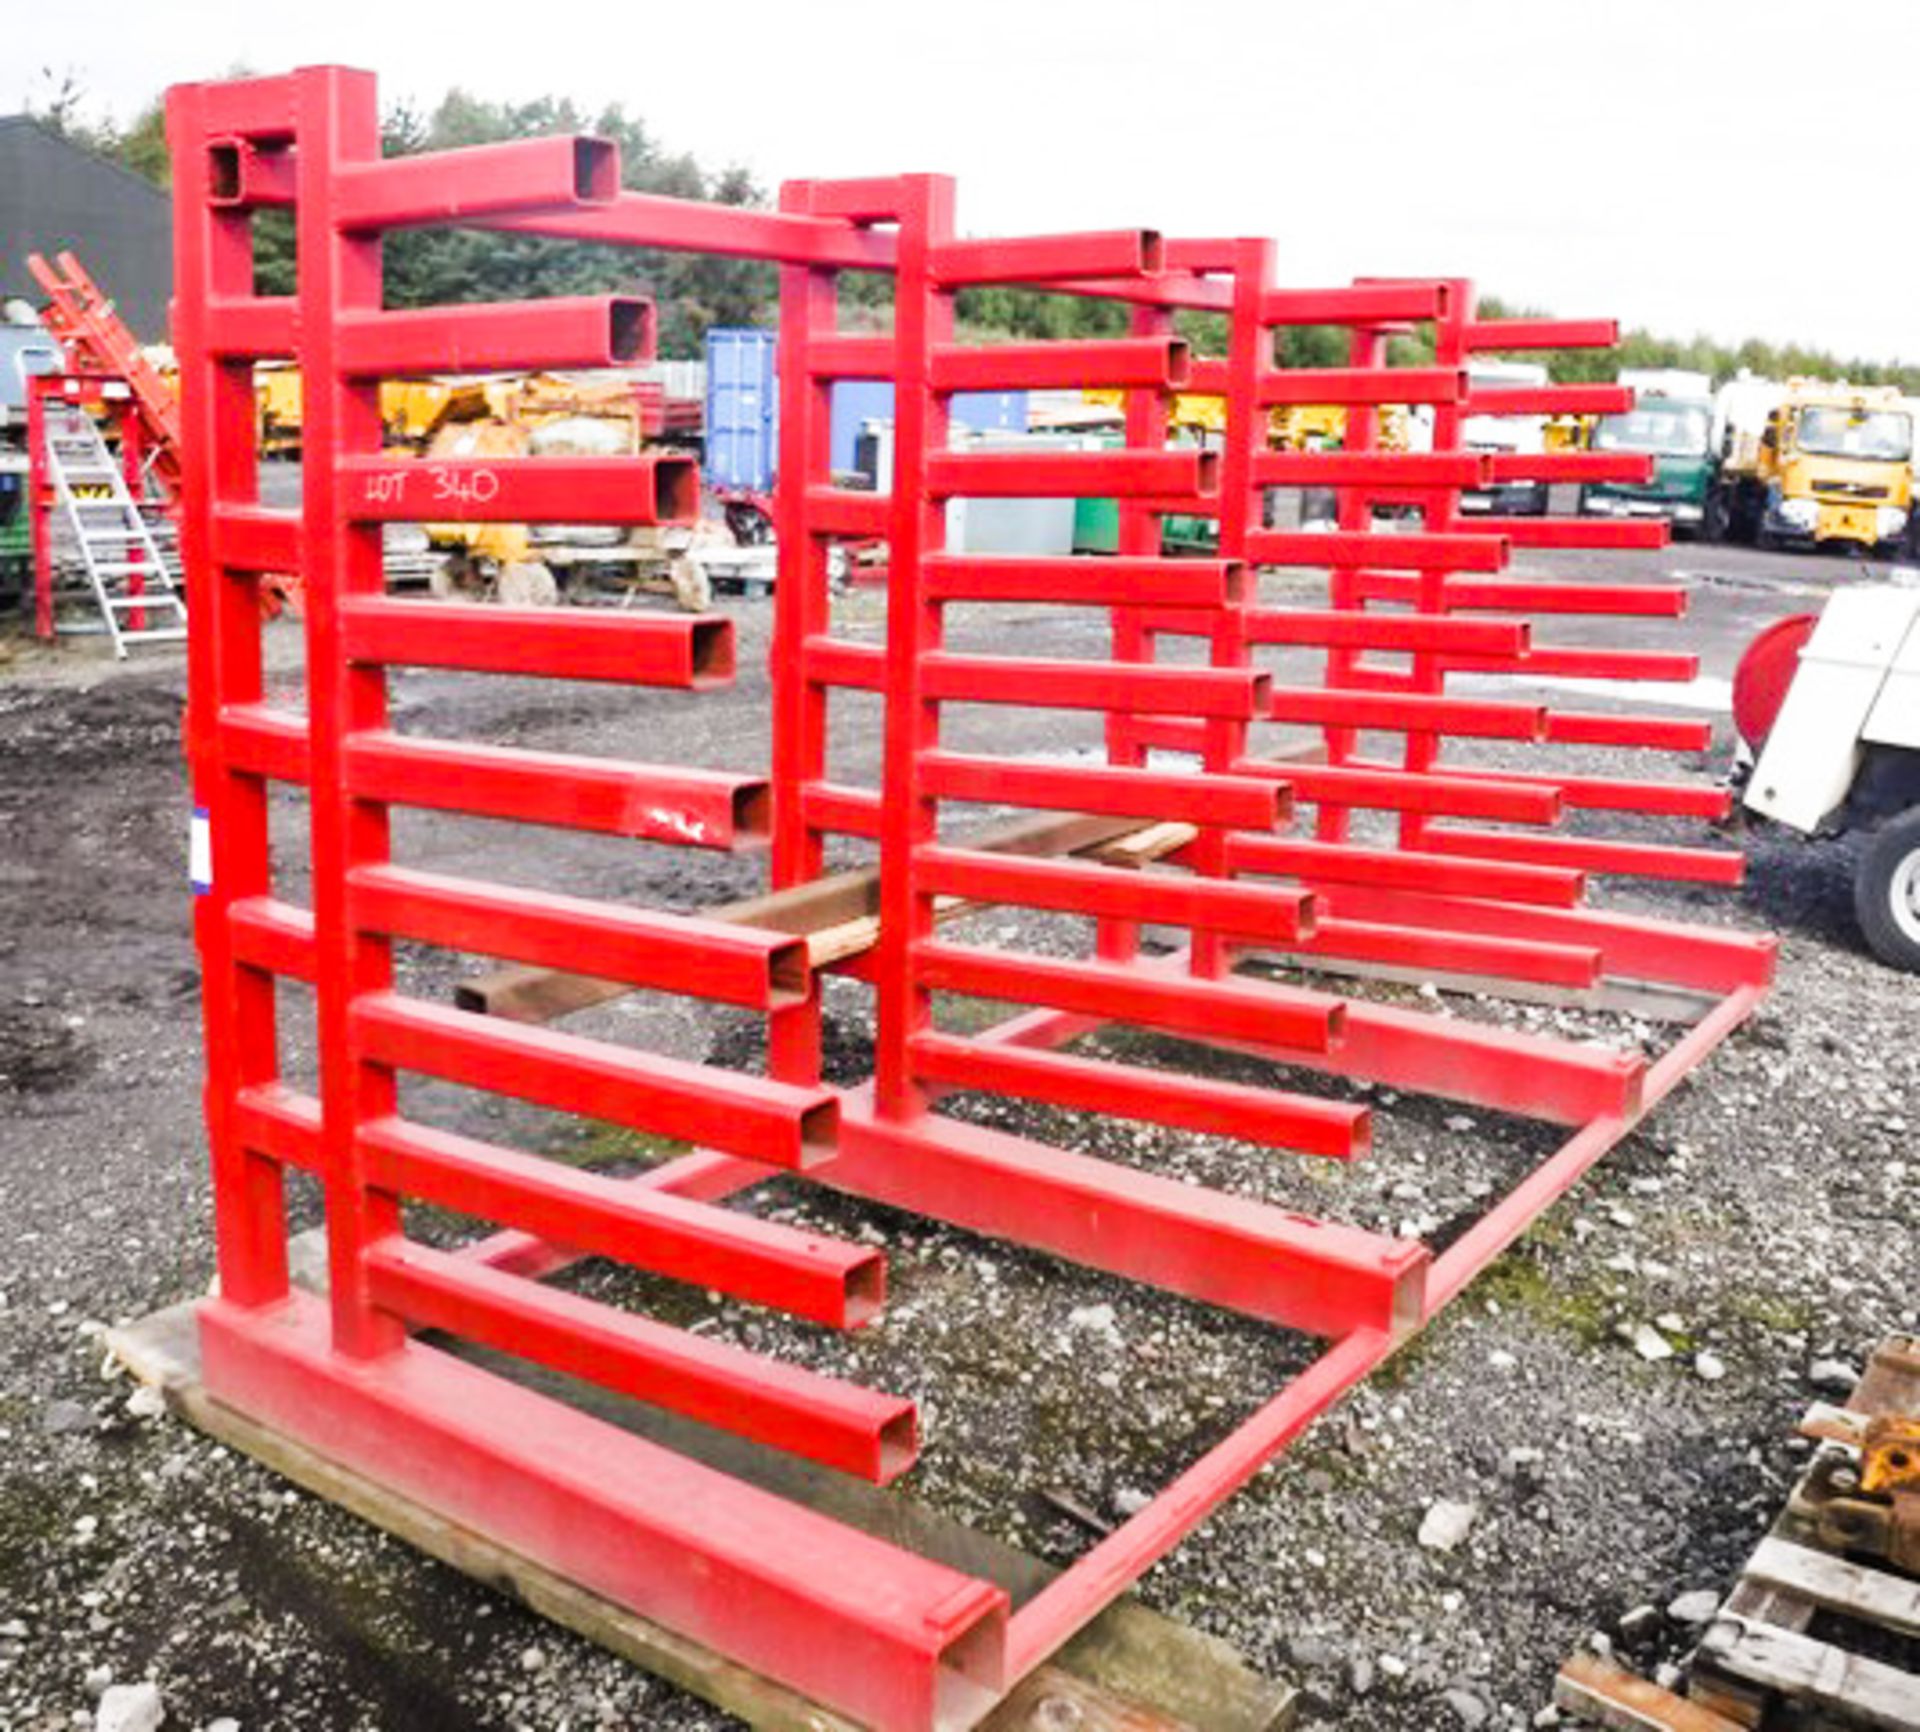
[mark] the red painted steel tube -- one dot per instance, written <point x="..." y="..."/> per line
<point x="653" y="487"/>
<point x="482" y="180"/>
<point x="822" y="1419"/>
<point x="1588" y="466"/>
<point x="1050" y="683"/>
<point x="1247" y="1256"/>
<point x="1592" y="532"/>
<point x="1157" y="293"/>
<point x="1160" y="733"/>
<point x="681" y="953"/>
<point x="213" y="255"/>
<point x="1240" y="802"/>
<point x="1596" y="854"/>
<point x="658" y="803"/>
<point x="1370" y="468"/>
<point x="1656" y="733"/>
<point x="686" y="651"/>
<point x="638" y="219"/>
<point x="1391" y="790"/>
<point x="1521" y="595"/>
<point x="1694" y="957"/>
<point x="273" y="935"/>
<point x="762" y="1262"/>
<point x="703" y="1177"/>
<point x="1345" y="547"/>
<point x="809" y="314"/>
<point x="844" y="811"/>
<point x="38" y="507"/>
<point x="1489" y="1236"/>
<point x="883" y="1635"/>
<point x="1173" y="475"/>
<point x="1499" y="1068"/>
<point x="1105" y="362"/>
<point x="272" y="1119"/>
<point x="1338" y="1130"/>
<point x="1549" y="400"/>
<point x="564" y="331"/>
<point x="1079" y="1594"/>
<point x="841" y="511"/>
<point x="251" y="327"/>
<point x="253" y="538"/>
<point x="1415" y="947"/>
<point x="1113" y="892"/>
<point x="259" y="109"/>
<point x="1362" y="385"/>
<point x="1044" y="258"/>
<point x="1118" y="992"/>
<point x="265" y="740"/>
<point x="1119" y="581"/>
<point x="1343" y="863"/>
<point x="1408" y="713"/>
<point x="243" y="174"/>
<point x="1338" y="629"/>
<point x="1483" y="334"/>
<point x="1612" y="793"/>
<point x="844" y="355"/>
<point x="1359" y="304"/>
<point x="339" y="276"/>
<point x="868" y="198"/>
<point x="744" y="1115"/>
<point x="1575" y="662"/>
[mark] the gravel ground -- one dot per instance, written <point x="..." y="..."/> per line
<point x="1761" y="1223"/>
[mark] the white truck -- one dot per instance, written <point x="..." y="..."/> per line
<point x="1836" y="735"/>
<point x="1507" y="435"/>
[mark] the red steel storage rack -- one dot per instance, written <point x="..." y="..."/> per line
<point x="863" y="1626"/>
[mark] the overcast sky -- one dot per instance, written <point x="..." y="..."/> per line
<point x="1741" y="167"/>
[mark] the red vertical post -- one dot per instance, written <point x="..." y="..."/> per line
<point x="213" y="261"/>
<point x="1249" y="355"/>
<point x="922" y="317"/>
<point x="339" y="277"/>
<point x="39" y="506"/>
<point x="1367" y="347"/>
<point x="809" y="308"/>
<point x="1422" y="751"/>
<point x="1139" y="535"/>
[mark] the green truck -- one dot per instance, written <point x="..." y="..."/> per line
<point x="1671" y="422"/>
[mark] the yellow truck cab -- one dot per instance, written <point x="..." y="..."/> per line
<point x="1812" y="463"/>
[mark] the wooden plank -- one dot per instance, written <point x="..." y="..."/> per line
<point x="164" y="1350"/>
<point x="1142" y="1671"/>
<point x="1616" y="996"/>
<point x="1867" y="1692"/>
<point x="1835" y="1585"/>
<point x="838" y="915"/>
<point x="1055" y="1701"/>
<point x="1599" y="1692"/>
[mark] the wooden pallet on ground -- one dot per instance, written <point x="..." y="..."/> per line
<point x="1816" y="1634"/>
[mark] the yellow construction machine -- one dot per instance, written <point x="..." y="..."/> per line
<point x="1811" y="463"/>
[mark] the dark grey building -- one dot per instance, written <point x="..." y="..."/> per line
<point x="55" y="195"/>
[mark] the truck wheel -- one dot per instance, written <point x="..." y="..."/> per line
<point x="1886" y="892"/>
<point x="1713" y="520"/>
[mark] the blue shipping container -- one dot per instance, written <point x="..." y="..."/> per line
<point x="858" y="401"/>
<point x="743" y="408"/>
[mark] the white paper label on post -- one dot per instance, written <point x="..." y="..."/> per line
<point x="200" y="852"/>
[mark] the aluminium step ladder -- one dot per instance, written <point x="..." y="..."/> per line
<point x="109" y="538"/>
